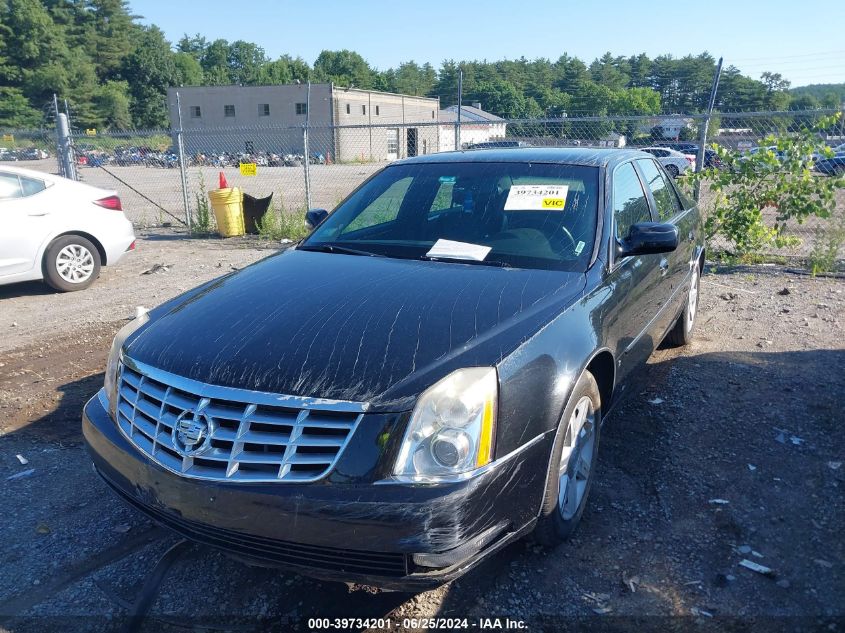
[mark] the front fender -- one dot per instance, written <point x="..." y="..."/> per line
<point x="535" y="381"/>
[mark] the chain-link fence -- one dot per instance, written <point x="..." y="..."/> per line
<point x="317" y="166"/>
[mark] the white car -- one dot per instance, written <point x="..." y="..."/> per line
<point x="675" y="163"/>
<point x="58" y="230"/>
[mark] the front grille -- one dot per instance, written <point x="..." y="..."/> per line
<point x="237" y="438"/>
<point x="273" y="551"/>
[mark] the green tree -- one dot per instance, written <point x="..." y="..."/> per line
<point x="245" y="60"/>
<point x="112" y="105"/>
<point x="15" y="111"/>
<point x="114" y="35"/>
<point x="344" y="68"/>
<point x="188" y="68"/>
<point x="150" y="70"/>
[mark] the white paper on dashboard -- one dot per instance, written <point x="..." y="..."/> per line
<point x="458" y="250"/>
<point x="536" y="198"/>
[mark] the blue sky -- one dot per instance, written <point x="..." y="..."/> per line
<point x="802" y="41"/>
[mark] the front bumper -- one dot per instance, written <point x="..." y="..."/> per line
<point x="396" y="536"/>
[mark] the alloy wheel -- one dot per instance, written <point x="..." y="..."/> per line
<point x="577" y="457"/>
<point x="692" y="299"/>
<point x="75" y="263"/>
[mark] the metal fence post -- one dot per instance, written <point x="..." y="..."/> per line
<point x="702" y="140"/>
<point x="307" y="161"/>
<point x="65" y="149"/>
<point x="180" y="150"/>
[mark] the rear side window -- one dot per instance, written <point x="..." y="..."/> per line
<point x="662" y="190"/>
<point x="31" y="186"/>
<point x="10" y="187"/>
<point x="630" y="204"/>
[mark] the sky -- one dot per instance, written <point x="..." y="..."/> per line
<point x="802" y="41"/>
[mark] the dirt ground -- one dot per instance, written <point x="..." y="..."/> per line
<point x="734" y="452"/>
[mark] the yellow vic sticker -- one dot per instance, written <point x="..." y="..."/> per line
<point x="553" y="203"/>
<point x="249" y="169"/>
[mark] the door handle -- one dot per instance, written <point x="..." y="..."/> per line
<point x="38" y="214"/>
<point x="664" y="267"/>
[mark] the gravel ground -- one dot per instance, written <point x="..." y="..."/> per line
<point x="734" y="452"/>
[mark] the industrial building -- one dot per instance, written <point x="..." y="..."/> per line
<point x="345" y="124"/>
<point x="477" y="126"/>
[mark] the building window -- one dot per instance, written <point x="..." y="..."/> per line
<point x="196" y="112"/>
<point x="363" y="109"/>
<point x="302" y="108"/>
<point x="348" y="109"/>
<point x="263" y="109"/>
<point x="377" y="112"/>
<point x="228" y="110"/>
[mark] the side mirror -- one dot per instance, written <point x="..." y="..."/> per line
<point x="314" y="217"/>
<point x="646" y="238"/>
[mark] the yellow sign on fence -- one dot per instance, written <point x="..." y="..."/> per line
<point x="8" y="138"/>
<point x="249" y="169"/>
<point x="91" y="131"/>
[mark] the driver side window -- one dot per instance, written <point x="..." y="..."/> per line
<point x="630" y="204"/>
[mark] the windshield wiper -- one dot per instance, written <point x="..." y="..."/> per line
<point x="461" y="260"/>
<point x="334" y="248"/>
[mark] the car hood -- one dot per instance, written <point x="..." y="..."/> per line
<point x="343" y="327"/>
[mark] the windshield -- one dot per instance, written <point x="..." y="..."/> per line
<point x="525" y="215"/>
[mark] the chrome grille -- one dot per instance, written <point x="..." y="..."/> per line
<point x="247" y="436"/>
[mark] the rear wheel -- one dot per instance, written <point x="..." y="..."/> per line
<point x="572" y="464"/>
<point x="71" y="263"/>
<point x="681" y="332"/>
<point x="672" y="170"/>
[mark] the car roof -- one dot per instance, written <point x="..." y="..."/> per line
<point x="32" y="173"/>
<point x="591" y="157"/>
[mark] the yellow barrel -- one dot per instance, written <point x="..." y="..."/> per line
<point x="228" y="206"/>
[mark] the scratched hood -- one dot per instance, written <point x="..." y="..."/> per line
<point x="345" y="327"/>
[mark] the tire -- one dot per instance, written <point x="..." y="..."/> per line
<point x="561" y="513"/>
<point x="71" y="263"/>
<point x="672" y="171"/>
<point x="682" y="332"/>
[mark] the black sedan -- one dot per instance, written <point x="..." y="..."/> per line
<point x="419" y="382"/>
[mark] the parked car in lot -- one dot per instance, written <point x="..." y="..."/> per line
<point x="711" y="158"/>
<point x="675" y="163"/>
<point x="419" y="382"/>
<point x="58" y="230"/>
<point x="833" y="166"/>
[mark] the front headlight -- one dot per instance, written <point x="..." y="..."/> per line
<point x="110" y="382"/>
<point x="452" y="427"/>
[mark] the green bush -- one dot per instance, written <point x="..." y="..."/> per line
<point x="827" y="244"/>
<point x="278" y="224"/>
<point x="781" y="179"/>
<point x="202" y="223"/>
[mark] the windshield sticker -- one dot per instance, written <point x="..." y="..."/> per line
<point x="536" y="198"/>
<point x="579" y="247"/>
<point x="447" y="179"/>
<point x="458" y="250"/>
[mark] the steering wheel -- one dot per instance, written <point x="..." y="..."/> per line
<point x="562" y="241"/>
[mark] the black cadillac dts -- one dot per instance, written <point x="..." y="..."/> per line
<point x="419" y="382"/>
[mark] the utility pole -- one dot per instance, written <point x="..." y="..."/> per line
<point x="460" y="101"/>
<point x="702" y="138"/>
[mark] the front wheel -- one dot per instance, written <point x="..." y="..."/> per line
<point x="681" y="332"/>
<point x="572" y="464"/>
<point x="672" y="170"/>
<point x="71" y="263"/>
